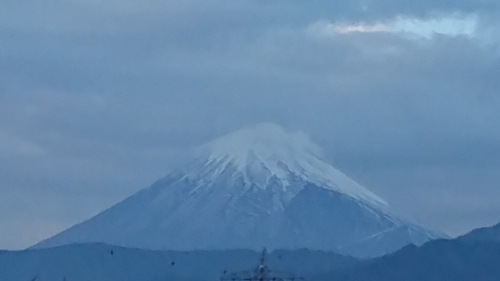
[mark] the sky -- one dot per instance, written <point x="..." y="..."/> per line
<point x="99" y="99"/>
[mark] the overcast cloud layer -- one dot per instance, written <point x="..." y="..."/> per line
<point x="98" y="99"/>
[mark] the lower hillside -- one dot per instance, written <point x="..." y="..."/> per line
<point x="442" y="260"/>
<point x="100" y="262"/>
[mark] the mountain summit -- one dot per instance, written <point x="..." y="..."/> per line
<point x="266" y="154"/>
<point x="256" y="187"/>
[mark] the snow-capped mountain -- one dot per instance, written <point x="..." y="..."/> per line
<point x="256" y="187"/>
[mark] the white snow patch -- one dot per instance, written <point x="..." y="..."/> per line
<point x="267" y="150"/>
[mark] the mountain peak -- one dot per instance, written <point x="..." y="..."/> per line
<point x="267" y="142"/>
<point x="267" y="153"/>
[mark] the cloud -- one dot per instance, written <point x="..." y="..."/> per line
<point x="451" y="25"/>
<point x="18" y="147"/>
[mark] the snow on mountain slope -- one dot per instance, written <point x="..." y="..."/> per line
<point x="267" y="151"/>
<point x="256" y="187"/>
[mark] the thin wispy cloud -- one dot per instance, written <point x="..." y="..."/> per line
<point x="452" y="25"/>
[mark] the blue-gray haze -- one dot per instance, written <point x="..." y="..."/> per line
<point x="100" y="98"/>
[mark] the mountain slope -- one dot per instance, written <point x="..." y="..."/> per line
<point x="491" y="233"/>
<point x="438" y="260"/>
<point x="252" y="188"/>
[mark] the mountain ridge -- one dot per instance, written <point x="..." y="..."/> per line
<point x="490" y="233"/>
<point x="442" y="259"/>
